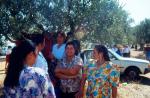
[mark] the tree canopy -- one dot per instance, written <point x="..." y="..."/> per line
<point x="101" y="21"/>
<point x="142" y="32"/>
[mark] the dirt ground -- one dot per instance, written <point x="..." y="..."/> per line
<point x="139" y="89"/>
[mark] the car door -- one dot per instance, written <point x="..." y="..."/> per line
<point x="116" y="61"/>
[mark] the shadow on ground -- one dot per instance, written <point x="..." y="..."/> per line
<point x="140" y="80"/>
<point x="144" y="80"/>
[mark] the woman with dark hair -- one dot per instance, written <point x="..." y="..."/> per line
<point x="75" y="42"/>
<point x="69" y="72"/>
<point x="58" y="49"/>
<point x="58" y="52"/>
<point x="100" y="79"/>
<point x="24" y="81"/>
<point x="39" y="41"/>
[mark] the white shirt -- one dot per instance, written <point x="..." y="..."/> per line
<point x="58" y="52"/>
<point x="41" y="62"/>
<point x="126" y="50"/>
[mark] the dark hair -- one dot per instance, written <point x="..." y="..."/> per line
<point x="62" y="34"/>
<point x="38" y="39"/>
<point x="70" y="43"/>
<point x="16" y="63"/>
<point x="77" y="46"/>
<point x="69" y="36"/>
<point x="104" y="50"/>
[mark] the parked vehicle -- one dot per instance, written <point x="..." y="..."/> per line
<point x="132" y="67"/>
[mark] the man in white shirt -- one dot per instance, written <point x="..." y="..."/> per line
<point x="41" y="62"/>
<point x="126" y="51"/>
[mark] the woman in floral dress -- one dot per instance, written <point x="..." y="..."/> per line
<point x="24" y="81"/>
<point x="100" y="79"/>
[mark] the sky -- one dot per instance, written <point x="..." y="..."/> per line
<point x="138" y="9"/>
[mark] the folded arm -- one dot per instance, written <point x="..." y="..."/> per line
<point x="62" y="76"/>
<point x="73" y="71"/>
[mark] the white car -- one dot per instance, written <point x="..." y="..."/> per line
<point x="130" y="66"/>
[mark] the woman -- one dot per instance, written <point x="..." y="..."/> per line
<point x="58" y="49"/>
<point x="100" y="80"/>
<point x="69" y="72"/>
<point x="39" y="41"/>
<point x="24" y="81"/>
<point x="58" y="52"/>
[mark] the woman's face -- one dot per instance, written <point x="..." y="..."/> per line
<point x="31" y="58"/>
<point x="97" y="55"/>
<point x="60" y="39"/>
<point x="70" y="51"/>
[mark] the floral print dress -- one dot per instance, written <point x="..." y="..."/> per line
<point x="99" y="81"/>
<point x="34" y="83"/>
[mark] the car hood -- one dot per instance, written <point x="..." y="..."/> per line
<point x="135" y="60"/>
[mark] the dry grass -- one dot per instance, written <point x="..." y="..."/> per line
<point x="134" y="90"/>
<point x="140" y="89"/>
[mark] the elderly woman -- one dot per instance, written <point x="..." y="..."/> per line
<point x="101" y="77"/>
<point x="69" y="72"/>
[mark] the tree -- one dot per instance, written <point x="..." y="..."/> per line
<point x="101" y="20"/>
<point x="142" y="32"/>
<point x="111" y="24"/>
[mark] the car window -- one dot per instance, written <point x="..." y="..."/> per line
<point x="88" y="54"/>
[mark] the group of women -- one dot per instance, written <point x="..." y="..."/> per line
<point x="29" y="75"/>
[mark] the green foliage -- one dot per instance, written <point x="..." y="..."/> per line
<point x="2" y="40"/>
<point x="102" y="21"/>
<point x="142" y="32"/>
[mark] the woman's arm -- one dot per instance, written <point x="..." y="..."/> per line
<point x="68" y="71"/>
<point x="71" y="71"/>
<point x="114" y="92"/>
<point x="114" y="79"/>
<point x="62" y="76"/>
<point x="81" y="91"/>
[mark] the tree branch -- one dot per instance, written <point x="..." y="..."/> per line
<point x="7" y="37"/>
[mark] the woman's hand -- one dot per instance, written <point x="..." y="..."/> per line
<point x="114" y="92"/>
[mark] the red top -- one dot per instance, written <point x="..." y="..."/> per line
<point x="48" y="46"/>
<point x="147" y="49"/>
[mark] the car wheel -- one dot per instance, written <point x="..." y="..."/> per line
<point x="132" y="73"/>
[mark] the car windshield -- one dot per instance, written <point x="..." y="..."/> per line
<point x="115" y="54"/>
